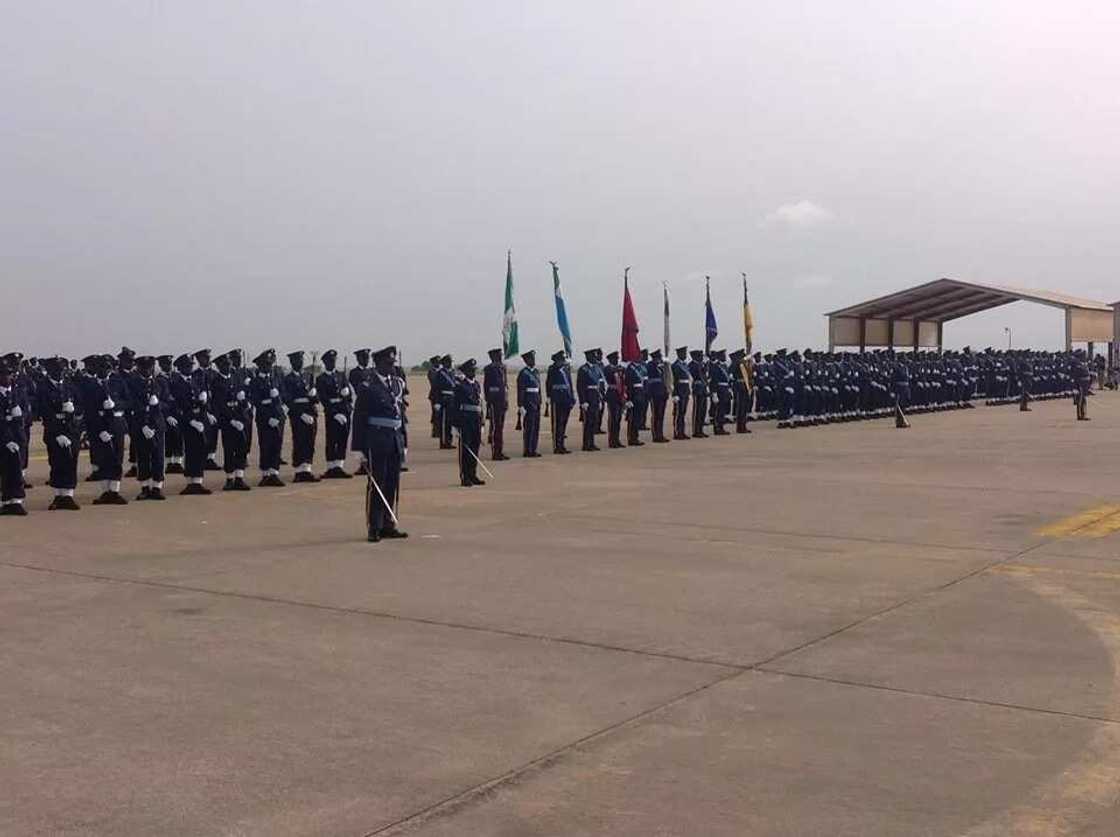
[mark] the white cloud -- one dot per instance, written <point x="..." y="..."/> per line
<point x="800" y="215"/>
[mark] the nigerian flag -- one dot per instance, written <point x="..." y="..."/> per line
<point x="510" y="345"/>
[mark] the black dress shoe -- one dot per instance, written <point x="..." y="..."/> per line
<point x="13" y="510"/>
<point x="477" y="481"/>
<point x="156" y="494"/>
<point x="94" y="477"/>
<point x="466" y="483"/>
<point x="374" y="536"/>
<point x="305" y="476"/>
<point x="131" y="472"/>
<point x="63" y="504"/>
<point x="110" y="498"/>
<point x="271" y="481"/>
<point x="174" y="468"/>
<point x="239" y="484"/>
<point x="195" y="488"/>
<point x="145" y="494"/>
<point x="392" y="532"/>
<point x="501" y="457"/>
<point x="211" y="465"/>
<point x="228" y="485"/>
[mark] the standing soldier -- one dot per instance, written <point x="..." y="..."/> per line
<point x="335" y="395"/>
<point x="529" y="404"/>
<point x="719" y="383"/>
<point x="58" y="406"/>
<point x="1026" y="379"/>
<point x="636" y="405"/>
<point x="105" y="424"/>
<point x="445" y="391"/>
<point x="468" y="419"/>
<point x="614" y="375"/>
<point x="741" y="389"/>
<point x="358" y="376"/>
<point x="173" y="436"/>
<point x="235" y="416"/>
<point x="266" y="400"/>
<point x="497" y="401"/>
<point x="402" y="379"/>
<point x="244" y="378"/>
<point x="191" y="395"/>
<point x="23" y="396"/>
<point x="150" y="403"/>
<point x="1083" y="381"/>
<point x="589" y="380"/>
<point x="127" y="381"/>
<point x="682" y="389"/>
<point x="558" y="380"/>
<point x="434" y="363"/>
<point x="698" y="370"/>
<point x="657" y="394"/>
<point x="377" y="432"/>
<point x="202" y="378"/>
<point x="300" y="400"/>
<point x="12" y="441"/>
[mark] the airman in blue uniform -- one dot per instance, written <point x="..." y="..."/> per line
<point x="377" y="428"/>
<point x="529" y="404"/>
<point x="558" y="382"/>
<point x="589" y="386"/>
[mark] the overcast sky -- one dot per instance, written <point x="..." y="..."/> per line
<point x="306" y="175"/>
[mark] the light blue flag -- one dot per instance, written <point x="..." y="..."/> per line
<point x="561" y="312"/>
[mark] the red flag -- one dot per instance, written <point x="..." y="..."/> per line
<point x="630" y="349"/>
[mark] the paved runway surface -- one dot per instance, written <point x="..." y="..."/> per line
<point x="847" y="630"/>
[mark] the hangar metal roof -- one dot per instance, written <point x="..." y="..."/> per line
<point x="943" y="300"/>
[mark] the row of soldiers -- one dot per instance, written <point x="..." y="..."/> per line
<point x="798" y="389"/>
<point x="168" y="414"/>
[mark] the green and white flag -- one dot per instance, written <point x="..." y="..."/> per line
<point x="510" y="346"/>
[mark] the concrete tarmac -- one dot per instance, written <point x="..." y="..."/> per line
<point x="843" y="630"/>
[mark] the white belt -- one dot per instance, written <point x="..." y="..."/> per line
<point x="391" y="424"/>
<point x="532" y="389"/>
<point x="300" y="401"/>
<point x="266" y="401"/>
<point x="471" y="408"/>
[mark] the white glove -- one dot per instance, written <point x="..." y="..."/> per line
<point x="152" y="401"/>
<point x="16" y="411"/>
<point x="340" y="418"/>
<point x="312" y="393"/>
<point x="13" y="447"/>
<point x="237" y="425"/>
<point x="345" y="392"/>
<point x="198" y="425"/>
<point x="241" y="395"/>
<point x="438" y="407"/>
<point x="676" y="399"/>
<point x="583" y="406"/>
<point x="521" y="411"/>
<point x="284" y="409"/>
<point x="105" y="436"/>
<point x="203" y="397"/>
<point x="307" y="418"/>
<point x="172" y="421"/>
<point x="148" y="432"/>
<point x="629" y="405"/>
<point x="107" y="404"/>
<point x="274" y="393"/>
<point x="210" y="417"/>
<point x="715" y="398"/>
<point x="62" y="441"/>
<point x="67" y="406"/>
<point x="274" y="422"/>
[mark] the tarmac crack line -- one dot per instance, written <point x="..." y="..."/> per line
<point x="933" y="591"/>
<point x="376" y="614"/>
<point x="451" y="804"/>
<point x="840" y="681"/>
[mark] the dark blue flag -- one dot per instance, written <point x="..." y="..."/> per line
<point x="711" y="332"/>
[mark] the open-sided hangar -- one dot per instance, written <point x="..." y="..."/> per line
<point x="914" y="318"/>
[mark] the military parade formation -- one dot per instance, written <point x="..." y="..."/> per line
<point x="145" y="416"/>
